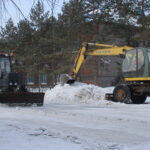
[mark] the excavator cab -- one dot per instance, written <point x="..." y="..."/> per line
<point x="136" y="72"/>
<point x="136" y="63"/>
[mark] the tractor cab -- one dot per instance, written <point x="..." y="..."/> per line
<point x="5" y="69"/>
<point x="12" y="85"/>
<point x="4" y="63"/>
<point x="136" y="63"/>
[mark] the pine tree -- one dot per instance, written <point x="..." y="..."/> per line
<point x="8" y="36"/>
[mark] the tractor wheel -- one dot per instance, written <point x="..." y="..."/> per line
<point x="139" y="99"/>
<point x="122" y="94"/>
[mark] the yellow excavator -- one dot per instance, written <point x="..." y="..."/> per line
<point x="135" y="86"/>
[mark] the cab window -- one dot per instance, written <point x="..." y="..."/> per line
<point x="134" y="60"/>
<point x="5" y="64"/>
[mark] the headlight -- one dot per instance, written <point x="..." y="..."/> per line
<point x="10" y="83"/>
<point x="16" y="83"/>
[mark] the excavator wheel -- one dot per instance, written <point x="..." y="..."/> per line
<point x="122" y="94"/>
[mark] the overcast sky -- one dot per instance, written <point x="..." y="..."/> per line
<point x="25" y="6"/>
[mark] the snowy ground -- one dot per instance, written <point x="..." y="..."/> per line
<point x="76" y="118"/>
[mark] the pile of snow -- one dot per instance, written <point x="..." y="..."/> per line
<point x="77" y="93"/>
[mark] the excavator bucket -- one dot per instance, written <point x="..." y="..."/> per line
<point x="25" y="98"/>
<point x="65" y="78"/>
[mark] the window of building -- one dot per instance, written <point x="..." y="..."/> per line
<point x="30" y="79"/>
<point x="43" y="78"/>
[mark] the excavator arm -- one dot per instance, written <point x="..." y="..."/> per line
<point x="91" y="49"/>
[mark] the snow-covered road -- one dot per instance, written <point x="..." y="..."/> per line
<point x="79" y="126"/>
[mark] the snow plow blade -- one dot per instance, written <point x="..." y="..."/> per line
<point x="25" y="98"/>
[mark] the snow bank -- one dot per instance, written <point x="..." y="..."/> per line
<point x="77" y="93"/>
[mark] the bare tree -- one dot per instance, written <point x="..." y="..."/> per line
<point x="3" y="6"/>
